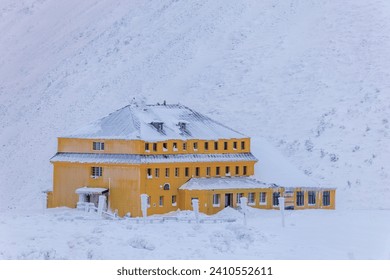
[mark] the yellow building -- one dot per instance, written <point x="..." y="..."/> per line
<point x="171" y="153"/>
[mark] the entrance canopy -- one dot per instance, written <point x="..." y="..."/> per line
<point x="89" y="191"/>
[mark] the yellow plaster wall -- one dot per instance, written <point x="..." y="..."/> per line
<point x="123" y="181"/>
<point x="75" y="145"/>
<point x="206" y="199"/>
<point x="154" y="186"/>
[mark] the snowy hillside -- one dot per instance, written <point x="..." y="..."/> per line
<point x="311" y="77"/>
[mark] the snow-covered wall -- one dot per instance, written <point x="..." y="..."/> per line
<point x="311" y="77"/>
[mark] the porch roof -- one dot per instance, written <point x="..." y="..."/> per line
<point x="89" y="190"/>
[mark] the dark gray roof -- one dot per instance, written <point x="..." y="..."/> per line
<point x="135" y="122"/>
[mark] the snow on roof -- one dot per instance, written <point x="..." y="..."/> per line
<point x="224" y="183"/>
<point x="139" y="159"/>
<point x="134" y="122"/>
<point x="88" y="190"/>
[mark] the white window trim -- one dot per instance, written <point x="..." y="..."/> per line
<point x="263" y="202"/>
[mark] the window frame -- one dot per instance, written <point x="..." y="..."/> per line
<point x="216" y="198"/>
<point x="326" y="198"/>
<point x="311" y="196"/>
<point x="96" y="171"/>
<point x="161" y="201"/>
<point x="98" y="146"/>
<point x="263" y="198"/>
<point x="225" y="145"/>
<point x="174" y="200"/>
<point x="251" y="198"/>
<point x="300" y="198"/>
<point x="275" y="198"/>
<point x="167" y="171"/>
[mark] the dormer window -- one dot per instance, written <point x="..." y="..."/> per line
<point x="182" y="125"/>
<point x="158" y="125"/>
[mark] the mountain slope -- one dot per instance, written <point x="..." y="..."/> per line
<point x="312" y="77"/>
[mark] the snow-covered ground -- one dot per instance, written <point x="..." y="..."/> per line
<point x="71" y="234"/>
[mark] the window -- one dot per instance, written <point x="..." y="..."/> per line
<point x="166" y="172"/>
<point x="165" y="147"/>
<point x="173" y="200"/>
<point x="98" y="146"/>
<point x="242" y="145"/>
<point x="197" y="171"/>
<point x="182" y="125"/>
<point x="263" y="198"/>
<point x="217" y="171"/>
<point x="275" y="198"/>
<point x="154" y="147"/>
<point x="161" y="201"/>
<point x="158" y="125"/>
<point x="148" y="201"/>
<point x="166" y="187"/>
<point x="237" y="170"/>
<point x="225" y="145"/>
<point x="300" y="198"/>
<point x="216" y="146"/>
<point x="187" y="172"/>
<point x="174" y="146"/>
<point x="227" y="170"/>
<point x="239" y="195"/>
<point x="312" y="197"/>
<point x="177" y="174"/>
<point x="96" y="171"/>
<point x="184" y="146"/>
<point x="149" y="173"/>
<point x="208" y="171"/>
<point x="146" y="147"/>
<point x="234" y="145"/>
<point x="195" y="146"/>
<point x="244" y="170"/>
<point x="251" y="198"/>
<point x="326" y="198"/>
<point x="206" y="146"/>
<point x="157" y="172"/>
<point x="216" y="200"/>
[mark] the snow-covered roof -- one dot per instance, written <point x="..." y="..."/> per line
<point x="135" y="122"/>
<point x="227" y="183"/>
<point x="139" y="159"/>
<point x="88" y="190"/>
<point x="224" y="183"/>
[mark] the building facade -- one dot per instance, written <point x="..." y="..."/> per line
<point x="171" y="153"/>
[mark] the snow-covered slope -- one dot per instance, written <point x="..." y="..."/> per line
<point x="311" y="77"/>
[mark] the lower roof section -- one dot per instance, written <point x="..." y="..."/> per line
<point x="140" y="159"/>
<point x="224" y="183"/>
<point x="237" y="183"/>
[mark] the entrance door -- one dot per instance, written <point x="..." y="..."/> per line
<point x="229" y="200"/>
